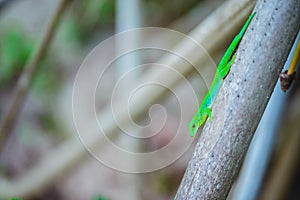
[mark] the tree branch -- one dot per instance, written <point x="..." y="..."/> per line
<point x="241" y="101"/>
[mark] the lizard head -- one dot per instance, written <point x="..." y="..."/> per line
<point x="198" y="121"/>
<point x="194" y="126"/>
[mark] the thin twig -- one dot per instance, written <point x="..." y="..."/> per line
<point x="295" y="60"/>
<point x="28" y="74"/>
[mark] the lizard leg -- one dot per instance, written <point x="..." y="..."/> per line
<point x="207" y="111"/>
<point x="225" y="70"/>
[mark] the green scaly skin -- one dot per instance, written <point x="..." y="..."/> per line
<point x="222" y="70"/>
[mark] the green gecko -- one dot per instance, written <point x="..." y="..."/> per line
<point x="222" y="70"/>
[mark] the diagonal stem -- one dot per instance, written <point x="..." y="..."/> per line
<point x="29" y="72"/>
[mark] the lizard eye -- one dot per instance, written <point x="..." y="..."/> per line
<point x="193" y="126"/>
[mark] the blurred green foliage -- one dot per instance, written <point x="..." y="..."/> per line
<point x="166" y="183"/>
<point x="15" y="198"/>
<point x="86" y="22"/>
<point x="69" y="33"/>
<point x="15" y="48"/>
<point x="48" y="79"/>
<point x="100" y="197"/>
<point x="94" y="20"/>
<point x="99" y="10"/>
<point x="91" y="17"/>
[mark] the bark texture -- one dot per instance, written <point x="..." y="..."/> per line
<point x="241" y="101"/>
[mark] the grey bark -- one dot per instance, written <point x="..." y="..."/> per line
<point x="241" y="101"/>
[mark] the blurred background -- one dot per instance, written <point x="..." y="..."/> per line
<point x="45" y="122"/>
